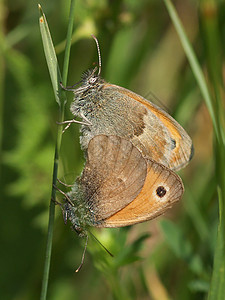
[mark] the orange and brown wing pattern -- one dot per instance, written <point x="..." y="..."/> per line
<point x="162" y="188"/>
<point x="155" y="133"/>
<point x="113" y="176"/>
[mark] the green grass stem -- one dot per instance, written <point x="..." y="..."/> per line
<point x="195" y="66"/>
<point x="215" y="107"/>
<point x="61" y="100"/>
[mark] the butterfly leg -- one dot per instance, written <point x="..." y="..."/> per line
<point x="88" y="123"/>
<point x="82" y="259"/>
<point x="64" y="194"/>
<point x="56" y="202"/>
<point x="69" y="122"/>
<point x="63" y="183"/>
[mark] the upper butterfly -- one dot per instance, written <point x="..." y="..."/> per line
<point x="112" y="110"/>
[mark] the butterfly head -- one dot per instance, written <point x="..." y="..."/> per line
<point x="70" y="213"/>
<point x="90" y="78"/>
<point x="76" y="210"/>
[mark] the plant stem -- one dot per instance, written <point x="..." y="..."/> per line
<point x="193" y="62"/>
<point x="213" y="101"/>
<point x="68" y="43"/>
<point x="56" y="158"/>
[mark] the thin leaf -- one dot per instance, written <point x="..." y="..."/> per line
<point x="193" y="62"/>
<point x="218" y="279"/>
<point x="50" y="55"/>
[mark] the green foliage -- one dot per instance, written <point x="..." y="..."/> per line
<point x="142" y="52"/>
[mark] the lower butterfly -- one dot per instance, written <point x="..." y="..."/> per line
<point x="118" y="187"/>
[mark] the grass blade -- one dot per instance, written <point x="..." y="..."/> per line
<point x="216" y="111"/>
<point x="193" y="61"/>
<point x="50" y="55"/>
<point x="61" y="100"/>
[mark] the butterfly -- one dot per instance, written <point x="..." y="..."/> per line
<point x="119" y="187"/>
<point x="109" y="109"/>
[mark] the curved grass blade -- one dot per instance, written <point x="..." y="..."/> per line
<point x="50" y="55"/>
<point x="216" y="111"/>
<point x="193" y="62"/>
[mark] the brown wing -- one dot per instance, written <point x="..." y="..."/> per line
<point x="162" y="188"/>
<point x="159" y="136"/>
<point x="113" y="176"/>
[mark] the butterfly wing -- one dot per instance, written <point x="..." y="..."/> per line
<point x="158" y="135"/>
<point x="162" y="188"/>
<point x="113" y="110"/>
<point x="113" y="176"/>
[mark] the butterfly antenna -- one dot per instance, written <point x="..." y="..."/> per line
<point x="157" y="101"/>
<point x="101" y="244"/>
<point x="83" y="256"/>
<point x="99" y="55"/>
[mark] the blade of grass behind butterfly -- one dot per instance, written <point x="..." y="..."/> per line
<point x="215" y="108"/>
<point x="61" y="100"/>
<point x="209" y="16"/>
<point x="2" y="72"/>
<point x="193" y="61"/>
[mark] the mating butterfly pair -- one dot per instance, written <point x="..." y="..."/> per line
<point x="132" y="149"/>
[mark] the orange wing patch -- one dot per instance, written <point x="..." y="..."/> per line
<point x="162" y="188"/>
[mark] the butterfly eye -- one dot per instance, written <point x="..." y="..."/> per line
<point x="160" y="191"/>
<point x="92" y="80"/>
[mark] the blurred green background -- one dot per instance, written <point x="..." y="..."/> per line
<point x="167" y="258"/>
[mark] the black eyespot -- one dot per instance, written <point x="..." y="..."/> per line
<point x="173" y="144"/>
<point x="160" y="191"/>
